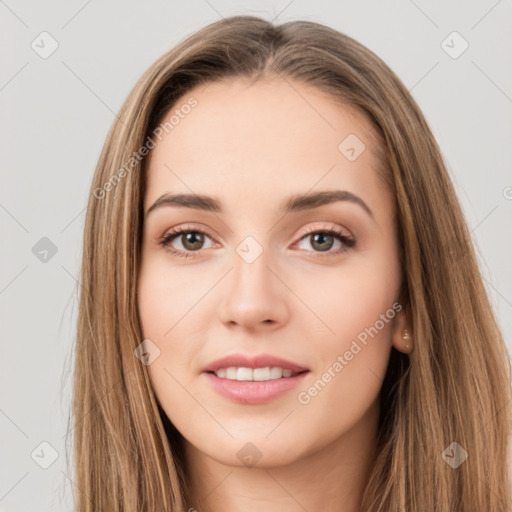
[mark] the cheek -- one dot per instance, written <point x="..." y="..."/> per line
<point x="165" y="295"/>
<point x="356" y="310"/>
<point x="167" y="299"/>
<point x="151" y="295"/>
<point x="348" y="303"/>
<point x="350" y="364"/>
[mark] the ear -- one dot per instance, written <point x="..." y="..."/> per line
<point x="402" y="338"/>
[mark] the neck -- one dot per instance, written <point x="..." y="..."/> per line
<point x="328" y="478"/>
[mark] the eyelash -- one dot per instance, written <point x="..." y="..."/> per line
<point x="348" y="242"/>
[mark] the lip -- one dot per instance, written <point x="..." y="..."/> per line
<point x="253" y="392"/>
<point x="258" y="361"/>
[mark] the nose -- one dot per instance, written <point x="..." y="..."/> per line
<point x="254" y="298"/>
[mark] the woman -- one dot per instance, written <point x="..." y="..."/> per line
<point x="281" y="305"/>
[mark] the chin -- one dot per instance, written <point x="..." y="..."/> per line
<point x="253" y="451"/>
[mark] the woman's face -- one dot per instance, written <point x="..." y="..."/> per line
<point x="292" y="301"/>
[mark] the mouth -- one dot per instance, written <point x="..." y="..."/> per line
<point x="253" y="380"/>
<point x="243" y="374"/>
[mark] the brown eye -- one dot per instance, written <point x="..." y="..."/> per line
<point x="183" y="241"/>
<point x="192" y="241"/>
<point x="322" y="241"/>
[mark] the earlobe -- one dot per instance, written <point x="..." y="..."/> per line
<point x="402" y="338"/>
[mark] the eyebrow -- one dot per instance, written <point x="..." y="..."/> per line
<point x="295" y="203"/>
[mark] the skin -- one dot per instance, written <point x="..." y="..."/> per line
<point x="251" y="146"/>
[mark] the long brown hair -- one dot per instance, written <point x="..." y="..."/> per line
<point x="453" y="388"/>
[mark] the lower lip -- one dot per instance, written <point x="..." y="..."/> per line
<point x="254" y="392"/>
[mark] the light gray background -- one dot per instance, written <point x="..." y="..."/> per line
<point x="56" y="113"/>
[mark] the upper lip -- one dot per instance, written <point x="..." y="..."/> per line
<point x="257" y="361"/>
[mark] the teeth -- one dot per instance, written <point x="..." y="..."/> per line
<point x="261" y="374"/>
<point x="256" y="374"/>
<point x="276" y="373"/>
<point x="244" y="374"/>
<point x="231" y="373"/>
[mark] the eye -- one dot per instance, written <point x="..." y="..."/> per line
<point x="323" y="240"/>
<point x="193" y="239"/>
<point x="190" y="239"/>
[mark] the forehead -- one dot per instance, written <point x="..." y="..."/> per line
<point x="269" y="138"/>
